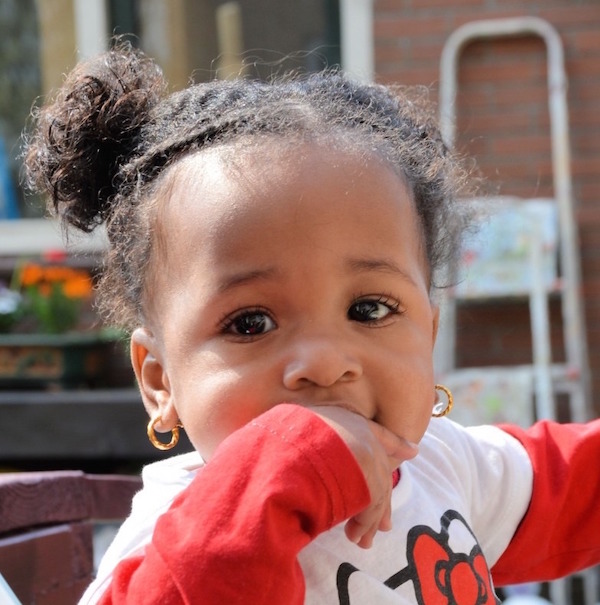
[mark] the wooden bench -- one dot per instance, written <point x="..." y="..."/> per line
<point x="46" y="530"/>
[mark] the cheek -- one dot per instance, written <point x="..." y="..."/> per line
<point x="207" y="427"/>
<point x="407" y="402"/>
<point x="423" y="421"/>
<point x="416" y="417"/>
<point x="214" y="408"/>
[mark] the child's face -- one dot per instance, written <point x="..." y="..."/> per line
<point x="287" y="276"/>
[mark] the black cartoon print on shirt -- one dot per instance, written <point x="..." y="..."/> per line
<point x="439" y="575"/>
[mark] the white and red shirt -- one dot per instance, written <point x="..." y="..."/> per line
<point x="262" y="523"/>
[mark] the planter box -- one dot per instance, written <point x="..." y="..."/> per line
<point x="46" y="360"/>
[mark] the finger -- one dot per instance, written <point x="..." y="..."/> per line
<point x="367" y="539"/>
<point x="385" y="524"/>
<point x="396" y="448"/>
<point x="359" y="534"/>
<point x="359" y="525"/>
<point x="362" y="527"/>
<point x="353" y="530"/>
<point x="362" y="535"/>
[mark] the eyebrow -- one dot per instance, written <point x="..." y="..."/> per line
<point x="242" y="278"/>
<point x="381" y="265"/>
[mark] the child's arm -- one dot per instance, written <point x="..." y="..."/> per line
<point x="235" y="532"/>
<point x="560" y="532"/>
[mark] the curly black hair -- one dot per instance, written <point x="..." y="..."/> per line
<point x="99" y="148"/>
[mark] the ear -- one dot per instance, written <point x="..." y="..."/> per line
<point x="152" y="378"/>
<point x="435" y="309"/>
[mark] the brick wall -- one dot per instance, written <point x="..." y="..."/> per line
<point x="502" y="118"/>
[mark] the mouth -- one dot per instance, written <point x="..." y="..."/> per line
<point x="339" y="404"/>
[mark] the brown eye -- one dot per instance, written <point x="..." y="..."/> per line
<point x="372" y="310"/>
<point x="250" y="324"/>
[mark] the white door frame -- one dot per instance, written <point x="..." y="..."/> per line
<point x="356" y="32"/>
<point x="91" y="27"/>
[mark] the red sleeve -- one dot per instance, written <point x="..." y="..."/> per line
<point x="236" y="531"/>
<point x="560" y="533"/>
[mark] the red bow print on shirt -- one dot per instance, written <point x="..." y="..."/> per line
<point x="439" y="575"/>
<point x="443" y="577"/>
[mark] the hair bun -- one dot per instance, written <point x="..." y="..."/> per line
<point x="80" y="140"/>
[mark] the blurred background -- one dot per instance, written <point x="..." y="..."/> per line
<point x="41" y="40"/>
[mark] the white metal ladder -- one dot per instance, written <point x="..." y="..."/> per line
<point x="545" y="377"/>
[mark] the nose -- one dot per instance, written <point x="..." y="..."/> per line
<point x="320" y="361"/>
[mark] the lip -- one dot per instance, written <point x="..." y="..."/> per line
<point x="340" y="404"/>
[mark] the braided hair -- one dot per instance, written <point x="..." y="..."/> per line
<point x="99" y="149"/>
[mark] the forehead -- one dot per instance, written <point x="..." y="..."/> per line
<point x="267" y="196"/>
<point x="258" y="171"/>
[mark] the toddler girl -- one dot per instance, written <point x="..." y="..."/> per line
<point x="273" y="250"/>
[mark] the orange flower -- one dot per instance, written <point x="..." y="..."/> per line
<point x="78" y="286"/>
<point x="75" y="283"/>
<point x="31" y="274"/>
<point x="52" y="294"/>
<point x="58" y="274"/>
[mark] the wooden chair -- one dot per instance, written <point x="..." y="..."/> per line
<point x="46" y="530"/>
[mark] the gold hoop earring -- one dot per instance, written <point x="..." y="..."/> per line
<point x="155" y="441"/>
<point x="439" y="407"/>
